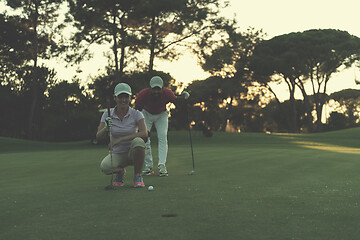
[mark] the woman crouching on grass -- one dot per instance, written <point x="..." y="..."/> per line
<point x="127" y="133"/>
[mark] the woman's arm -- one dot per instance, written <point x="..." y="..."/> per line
<point x="142" y="132"/>
<point x="101" y="133"/>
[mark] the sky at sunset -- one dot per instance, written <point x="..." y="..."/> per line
<point x="274" y="17"/>
<point x="277" y="17"/>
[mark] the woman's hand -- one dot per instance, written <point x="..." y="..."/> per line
<point x="114" y="142"/>
<point x="147" y="137"/>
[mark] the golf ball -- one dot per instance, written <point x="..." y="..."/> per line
<point x="150" y="188"/>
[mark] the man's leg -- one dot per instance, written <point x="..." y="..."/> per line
<point x="148" y="154"/>
<point x="161" y="125"/>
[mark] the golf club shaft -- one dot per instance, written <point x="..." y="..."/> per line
<point x="190" y="137"/>
<point x="192" y="151"/>
<point x="111" y="164"/>
<point x="110" y="138"/>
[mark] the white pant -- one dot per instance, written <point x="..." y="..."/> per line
<point x="161" y="125"/>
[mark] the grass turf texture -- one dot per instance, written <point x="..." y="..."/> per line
<point x="246" y="186"/>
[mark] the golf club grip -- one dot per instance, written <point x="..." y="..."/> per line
<point x="108" y="106"/>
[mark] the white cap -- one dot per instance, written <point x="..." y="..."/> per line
<point x="122" y="88"/>
<point x="156" y="82"/>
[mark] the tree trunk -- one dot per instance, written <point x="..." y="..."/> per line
<point x="276" y="98"/>
<point x="227" y="115"/>
<point x="307" y="106"/>
<point x="319" y="108"/>
<point x="320" y="101"/>
<point x="293" y="113"/>
<point x="115" y="47"/>
<point x="122" y="60"/>
<point x="123" y="36"/>
<point x="34" y="99"/>
<point x="115" y="53"/>
<point x="152" y="45"/>
<point x="34" y="78"/>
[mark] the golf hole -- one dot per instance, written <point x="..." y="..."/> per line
<point x="109" y="187"/>
<point x="168" y="215"/>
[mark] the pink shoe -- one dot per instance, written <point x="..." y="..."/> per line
<point x="119" y="178"/>
<point x="138" y="181"/>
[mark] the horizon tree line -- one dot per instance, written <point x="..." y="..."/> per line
<point x="241" y="65"/>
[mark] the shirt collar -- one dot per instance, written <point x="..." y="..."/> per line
<point x="116" y="116"/>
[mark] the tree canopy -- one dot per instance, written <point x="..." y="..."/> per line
<point x="310" y="56"/>
<point x="37" y="18"/>
<point x="134" y="34"/>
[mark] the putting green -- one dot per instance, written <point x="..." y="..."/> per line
<point x="246" y="186"/>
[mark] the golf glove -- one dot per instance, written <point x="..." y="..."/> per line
<point x="185" y="94"/>
<point x="108" y="123"/>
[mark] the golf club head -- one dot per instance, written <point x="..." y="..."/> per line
<point x="109" y="187"/>
<point x="192" y="172"/>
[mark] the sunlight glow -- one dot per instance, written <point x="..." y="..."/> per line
<point x="328" y="147"/>
<point x="318" y="145"/>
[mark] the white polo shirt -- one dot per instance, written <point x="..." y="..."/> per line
<point x="123" y="128"/>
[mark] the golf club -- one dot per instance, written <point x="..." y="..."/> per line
<point x="110" y="187"/>
<point x="191" y="145"/>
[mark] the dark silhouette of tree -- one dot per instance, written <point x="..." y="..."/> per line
<point x="311" y="56"/>
<point x="227" y="59"/>
<point x="39" y="17"/>
<point x="71" y="114"/>
<point x="105" y="22"/>
<point x="170" y="23"/>
<point x="350" y="100"/>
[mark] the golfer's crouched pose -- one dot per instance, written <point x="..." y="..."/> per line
<point x="127" y="131"/>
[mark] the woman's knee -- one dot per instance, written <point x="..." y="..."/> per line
<point x="105" y="167"/>
<point x="137" y="143"/>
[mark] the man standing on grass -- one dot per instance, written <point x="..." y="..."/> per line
<point x="152" y="101"/>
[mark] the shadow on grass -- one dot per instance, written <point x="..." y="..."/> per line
<point x="8" y="145"/>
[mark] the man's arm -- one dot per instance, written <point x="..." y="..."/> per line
<point x="184" y="95"/>
<point x="139" y="100"/>
<point x="181" y="98"/>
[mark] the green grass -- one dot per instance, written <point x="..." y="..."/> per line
<point x="246" y="186"/>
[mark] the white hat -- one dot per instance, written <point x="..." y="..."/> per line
<point x="156" y="82"/>
<point x="122" y="88"/>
